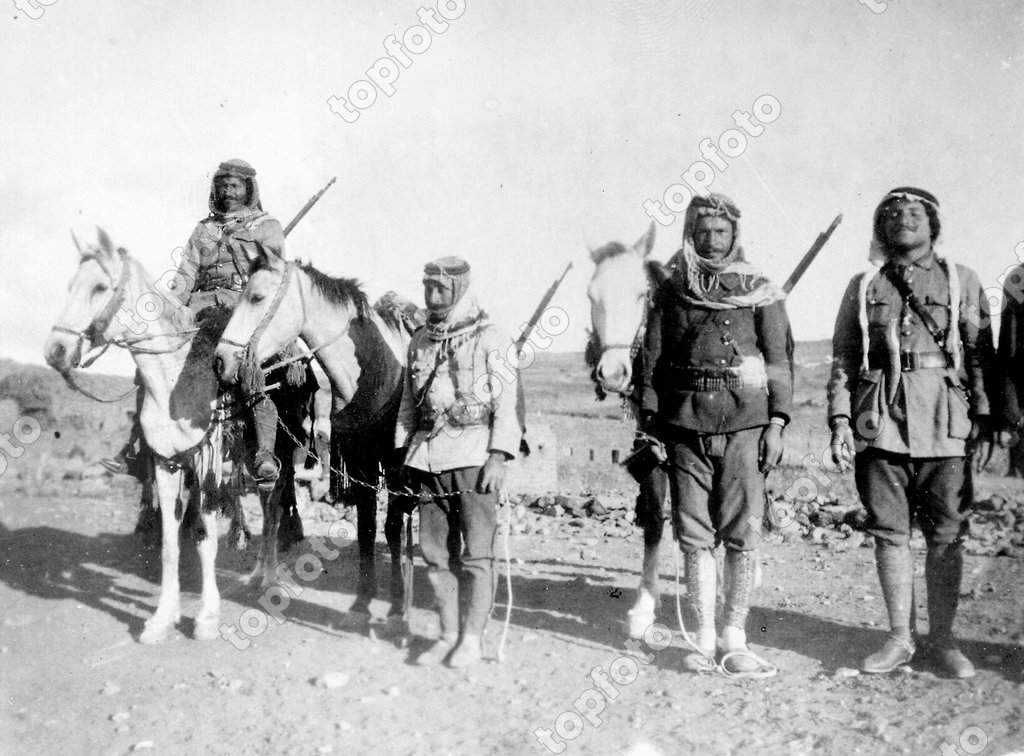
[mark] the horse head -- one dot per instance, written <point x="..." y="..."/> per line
<point x="96" y="295"/>
<point x="269" y="317"/>
<point x="619" y="294"/>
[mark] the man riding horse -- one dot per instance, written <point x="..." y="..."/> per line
<point x="213" y="272"/>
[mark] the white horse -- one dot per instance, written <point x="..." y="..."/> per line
<point x="177" y="410"/>
<point x="620" y="294"/>
<point x="364" y="357"/>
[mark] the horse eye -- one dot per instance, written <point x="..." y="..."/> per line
<point x="257" y="298"/>
<point x="99" y="288"/>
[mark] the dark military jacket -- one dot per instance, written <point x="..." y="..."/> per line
<point x="716" y="370"/>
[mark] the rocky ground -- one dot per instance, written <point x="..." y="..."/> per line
<point x="76" y="586"/>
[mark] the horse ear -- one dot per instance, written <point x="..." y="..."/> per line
<point x="78" y="244"/>
<point x="273" y="261"/>
<point x="104" y="239"/>
<point x="645" y="243"/>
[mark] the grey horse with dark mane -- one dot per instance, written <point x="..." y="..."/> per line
<point x="362" y="349"/>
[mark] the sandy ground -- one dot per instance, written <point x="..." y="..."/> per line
<point x="76" y="586"/>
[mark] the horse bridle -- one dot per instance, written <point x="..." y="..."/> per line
<point x="275" y="305"/>
<point x="634" y="347"/>
<point x="102" y="321"/>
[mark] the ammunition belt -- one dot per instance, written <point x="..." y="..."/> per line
<point x="715" y="379"/>
<point x="909" y="361"/>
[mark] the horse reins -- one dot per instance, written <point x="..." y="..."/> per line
<point x="102" y="321"/>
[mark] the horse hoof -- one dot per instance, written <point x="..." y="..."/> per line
<point x="639" y="621"/>
<point x="156" y="632"/>
<point x="357" y="621"/>
<point x="396" y="626"/>
<point x="207" y="629"/>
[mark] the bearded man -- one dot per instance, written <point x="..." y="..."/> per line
<point x="718" y="393"/>
<point x="457" y="427"/>
<point x="911" y="353"/>
<point x="212" y="274"/>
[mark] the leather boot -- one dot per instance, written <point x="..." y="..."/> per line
<point x="943" y="573"/>
<point x="701" y="585"/>
<point x="896" y="576"/>
<point x="740" y="567"/>
<point x="477" y="592"/>
<point x="446" y="596"/>
<point x="266" y="466"/>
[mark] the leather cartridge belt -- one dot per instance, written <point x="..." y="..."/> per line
<point x="909" y="361"/>
<point x="688" y="378"/>
<point x="215" y="277"/>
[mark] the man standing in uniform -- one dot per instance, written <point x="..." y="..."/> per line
<point x="215" y="268"/>
<point x="911" y="349"/>
<point x="718" y="394"/>
<point x="457" y="427"/>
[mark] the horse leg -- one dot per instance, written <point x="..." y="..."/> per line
<point x="267" y="552"/>
<point x="366" y="530"/>
<point x="652" y="499"/>
<point x="168" y="610"/>
<point x="393" y="526"/>
<point x="290" y="531"/>
<point x="208" y="619"/>
<point x="272" y="513"/>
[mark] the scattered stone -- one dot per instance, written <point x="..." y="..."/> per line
<point x="847" y="672"/>
<point x="121" y="716"/>
<point x="143" y="745"/>
<point x="329" y="680"/>
<point x="393" y="691"/>
<point x="122" y="729"/>
<point x="110" y="689"/>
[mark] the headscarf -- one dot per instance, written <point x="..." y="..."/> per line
<point x="697" y="279"/>
<point x="464" y="313"/>
<point x="878" y="251"/>
<point x="238" y="169"/>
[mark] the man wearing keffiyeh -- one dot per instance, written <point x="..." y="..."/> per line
<point x="213" y="271"/>
<point x="457" y="426"/>
<point x="912" y="353"/>
<point x="718" y="391"/>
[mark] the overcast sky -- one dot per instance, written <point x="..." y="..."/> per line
<point x="525" y="132"/>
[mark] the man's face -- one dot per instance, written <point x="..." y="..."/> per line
<point x="231" y="193"/>
<point x="906" y="225"/>
<point x="438" y="297"/>
<point x="712" y="238"/>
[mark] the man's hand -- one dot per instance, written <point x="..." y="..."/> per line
<point x="492" y="475"/>
<point x="843" y="446"/>
<point x="981" y="442"/>
<point x="1007" y="438"/>
<point x="769" y="451"/>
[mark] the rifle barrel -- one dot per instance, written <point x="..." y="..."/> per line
<point x="544" y="302"/>
<point x="808" y="258"/>
<point x="306" y="208"/>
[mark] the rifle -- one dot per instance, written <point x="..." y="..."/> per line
<point x="544" y="302"/>
<point x="808" y="258"/>
<point x="306" y="208"/>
